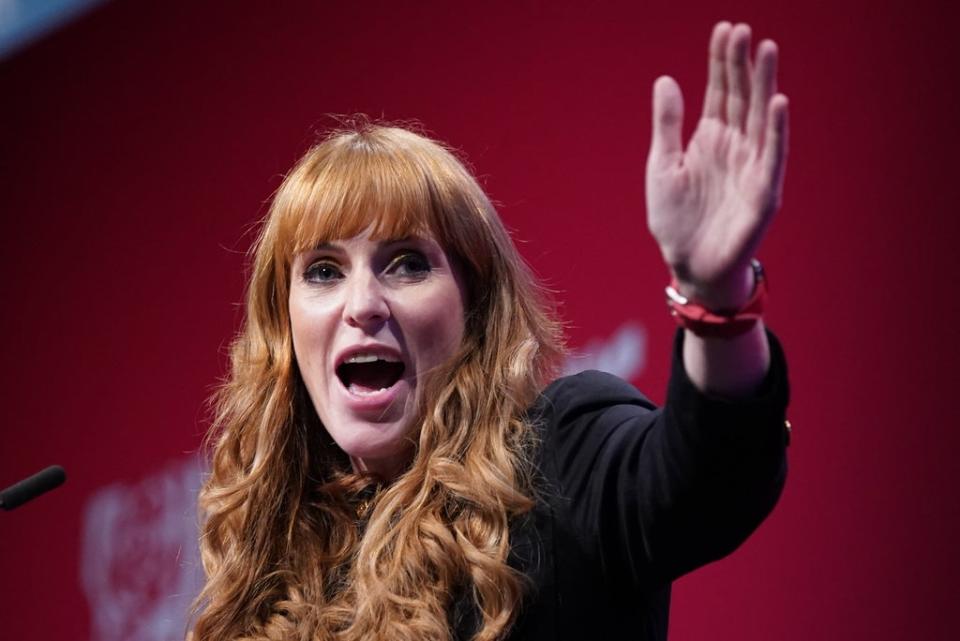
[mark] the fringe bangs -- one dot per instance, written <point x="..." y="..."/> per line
<point x="366" y="182"/>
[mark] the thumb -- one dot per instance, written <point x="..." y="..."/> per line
<point x="666" y="147"/>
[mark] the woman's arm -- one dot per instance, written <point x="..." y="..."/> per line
<point x="709" y="205"/>
<point x="654" y="493"/>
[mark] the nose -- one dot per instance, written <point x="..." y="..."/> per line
<point x="365" y="304"/>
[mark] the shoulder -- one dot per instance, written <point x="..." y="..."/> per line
<point x="587" y="421"/>
<point x="588" y="393"/>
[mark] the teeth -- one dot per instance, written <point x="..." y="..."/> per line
<point x="369" y="358"/>
<point x="365" y="392"/>
<point x="362" y="358"/>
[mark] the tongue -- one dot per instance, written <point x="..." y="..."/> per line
<point x="370" y="377"/>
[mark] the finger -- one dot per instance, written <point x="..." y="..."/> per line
<point x="763" y="89"/>
<point x="666" y="147"/>
<point x="775" y="146"/>
<point x="738" y="75"/>
<point x="715" y="98"/>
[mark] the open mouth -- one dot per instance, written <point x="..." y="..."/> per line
<point x="369" y="374"/>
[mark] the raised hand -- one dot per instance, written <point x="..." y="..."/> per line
<point x="709" y="205"/>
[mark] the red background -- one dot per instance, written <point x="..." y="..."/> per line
<point x="140" y="145"/>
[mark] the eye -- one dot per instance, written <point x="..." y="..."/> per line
<point x="322" y="272"/>
<point x="410" y="264"/>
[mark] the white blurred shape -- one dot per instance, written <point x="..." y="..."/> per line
<point x="623" y="354"/>
<point x="140" y="565"/>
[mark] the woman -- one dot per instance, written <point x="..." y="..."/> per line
<point x="392" y="460"/>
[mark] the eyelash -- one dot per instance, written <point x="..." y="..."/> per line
<point x="402" y="260"/>
<point x="405" y="258"/>
<point x="311" y="273"/>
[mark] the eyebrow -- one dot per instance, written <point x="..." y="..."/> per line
<point x="403" y="239"/>
<point x="332" y="245"/>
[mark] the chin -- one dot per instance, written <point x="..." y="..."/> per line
<point x="373" y="441"/>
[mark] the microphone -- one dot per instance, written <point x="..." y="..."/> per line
<point x="32" y="487"/>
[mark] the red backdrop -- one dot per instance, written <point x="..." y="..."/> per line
<point x="140" y="145"/>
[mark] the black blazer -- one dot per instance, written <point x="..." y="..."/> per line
<point x="632" y="497"/>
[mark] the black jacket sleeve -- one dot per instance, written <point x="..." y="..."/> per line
<point x="653" y="493"/>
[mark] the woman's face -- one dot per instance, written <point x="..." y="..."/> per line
<point x="369" y="319"/>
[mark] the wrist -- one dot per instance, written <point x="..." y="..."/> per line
<point x="723" y="296"/>
<point x="704" y="321"/>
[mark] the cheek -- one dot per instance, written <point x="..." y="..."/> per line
<point x="310" y="336"/>
<point x="299" y="331"/>
<point x="442" y="327"/>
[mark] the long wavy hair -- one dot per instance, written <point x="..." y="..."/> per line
<point x="296" y="545"/>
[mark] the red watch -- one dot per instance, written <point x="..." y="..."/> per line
<point x="702" y="322"/>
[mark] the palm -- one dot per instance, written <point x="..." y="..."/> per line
<point x="709" y="204"/>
